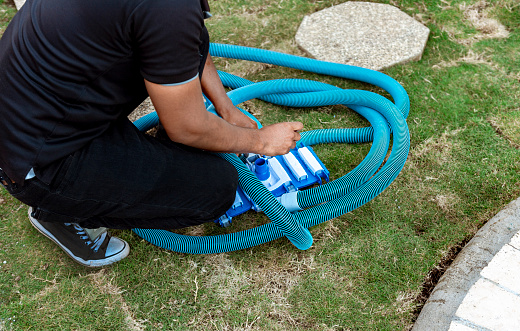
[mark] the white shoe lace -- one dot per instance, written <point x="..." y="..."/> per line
<point x="99" y="240"/>
<point x="94" y="245"/>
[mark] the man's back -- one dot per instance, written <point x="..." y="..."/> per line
<point x="70" y="68"/>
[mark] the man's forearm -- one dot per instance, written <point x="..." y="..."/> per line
<point x="214" y="90"/>
<point x="182" y="113"/>
<point x="212" y="87"/>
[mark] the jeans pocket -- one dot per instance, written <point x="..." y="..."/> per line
<point x="63" y="174"/>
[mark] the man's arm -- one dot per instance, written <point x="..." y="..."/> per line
<point x="214" y="90"/>
<point x="182" y="113"/>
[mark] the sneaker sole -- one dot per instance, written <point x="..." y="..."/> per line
<point x="87" y="263"/>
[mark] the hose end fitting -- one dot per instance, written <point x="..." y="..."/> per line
<point x="261" y="169"/>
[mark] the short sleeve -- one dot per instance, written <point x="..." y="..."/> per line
<point x="167" y="36"/>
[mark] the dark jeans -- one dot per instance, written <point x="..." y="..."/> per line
<point x="127" y="179"/>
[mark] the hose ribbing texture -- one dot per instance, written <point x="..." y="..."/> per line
<point x="322" y="203"/>
<point x="376" y="78"/>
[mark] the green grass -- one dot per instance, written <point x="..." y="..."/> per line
<point x="366" y="268"/>
<point x="7" y="11"/>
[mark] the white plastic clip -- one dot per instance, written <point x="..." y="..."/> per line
<point x="295" y="166"/>
<point x="310" y="161"/>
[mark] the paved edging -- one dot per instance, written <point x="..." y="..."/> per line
<point x="464" y="272"/>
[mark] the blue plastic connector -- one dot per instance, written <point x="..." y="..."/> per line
<point x="261" y="169"/>
<point x="224" y="221"/>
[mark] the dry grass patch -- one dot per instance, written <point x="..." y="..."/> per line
<point x="508" y="127"/>
<point x="326" y="233"/>
<point x="403" y="304"/>
<point x="470" y="58"/>
<point x="446" y="202"/>
<point x="46" y="291"/>
<point x="240" y="68"/>
<point x="261" y="294"/>
<point x="514" y="75"/>
<point x="437" y="149"/>
<point x="225" y="278"/>
<point x="105" y="285"/>
<point x="282" y="281"/>
<point x="243" y="68"/>
<point x="198" y="230"/>
<point x="62" y="301"/>
<point x="404" y="301"/>
<point x="478" y="15"/>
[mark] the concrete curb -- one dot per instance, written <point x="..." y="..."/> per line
<point x="464" y="272"/>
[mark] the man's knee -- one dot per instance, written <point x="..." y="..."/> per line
<point x="225" y="187"/>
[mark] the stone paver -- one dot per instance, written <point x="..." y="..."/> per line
<point x="504" y="268"/>
<point x="459" y="326"/>
<point x="491" y="307"/>
<point x="493" y="302"/>
<point x="464" y="296"/>
<point x="515" y="241"/>
<point x="369" y="35"/>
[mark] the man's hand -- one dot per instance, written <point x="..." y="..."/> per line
<point x="234" y="116"/>
<point x="280" y="138"/>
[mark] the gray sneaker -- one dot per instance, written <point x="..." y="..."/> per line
<point x="76" y="242"/>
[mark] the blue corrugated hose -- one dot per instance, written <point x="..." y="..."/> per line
<point x="322" y="203"/>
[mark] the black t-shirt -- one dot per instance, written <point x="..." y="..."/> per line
<point x="71" y="68"/>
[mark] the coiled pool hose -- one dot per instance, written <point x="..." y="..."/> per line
<point x="319" y="204"/>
